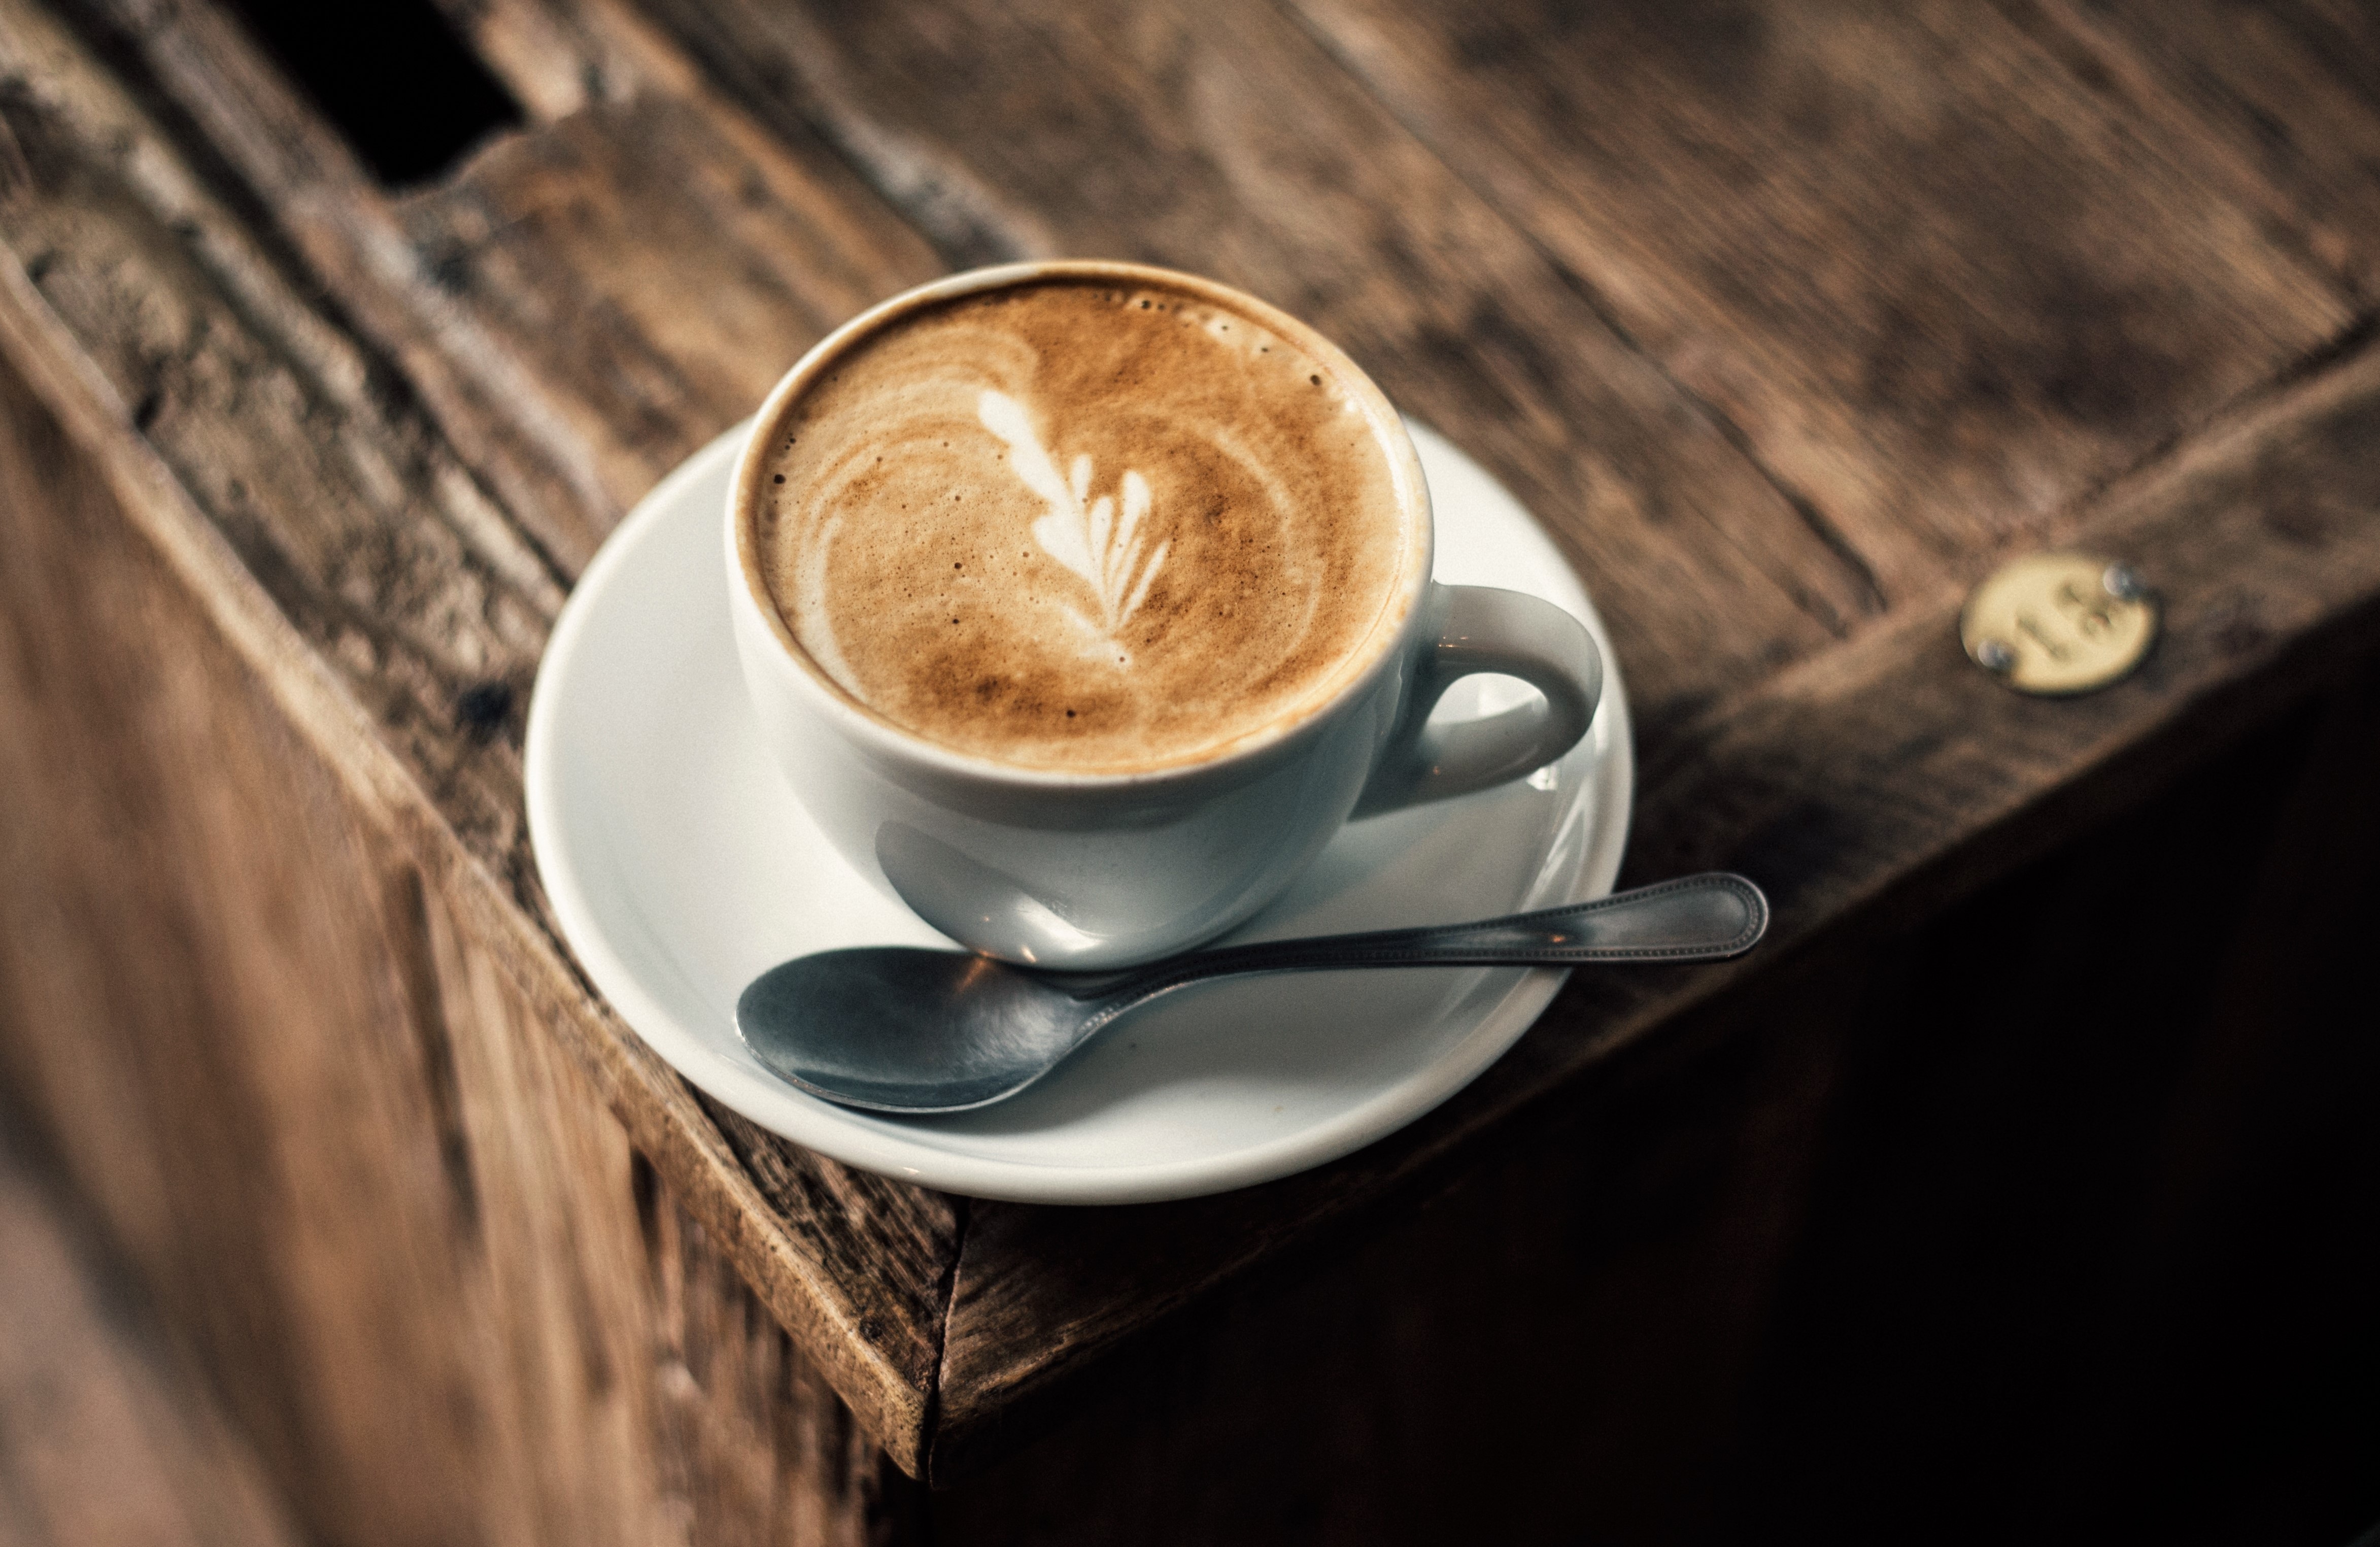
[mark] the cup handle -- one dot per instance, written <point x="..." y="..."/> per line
<point x="1482" y="629"/>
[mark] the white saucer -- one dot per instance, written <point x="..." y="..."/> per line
<point x="680" y="865"/>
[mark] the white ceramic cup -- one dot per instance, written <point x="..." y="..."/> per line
<point x="1096" y="871"/>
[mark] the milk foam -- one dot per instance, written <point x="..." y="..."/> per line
<point x="1105" y="552"/>
<point x="1079" y="526"/>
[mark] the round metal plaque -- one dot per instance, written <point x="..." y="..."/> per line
<point x="2059" y="623"/>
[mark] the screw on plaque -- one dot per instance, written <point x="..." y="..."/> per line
<point x="2124" y="583"/>
<point x="2060" y="624"/>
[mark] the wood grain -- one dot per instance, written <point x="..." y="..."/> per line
<point x="1942" y="287"/>
<point x="2286" y="97"/>
<point x="1870" y="785"/>
<point x="2041" y="351"/>
<point x="2099" y="1165"/>
<point x="1217" y="137"/>
<point x="332" y="220"/>
<point x="1550" y="1340"/>
<point x="346" y="551"/>
<point x="585" y="301"/>
<point x="317" y="1114"/>
<point x="1775" y="318"/>
<point x="107" y="1439"/>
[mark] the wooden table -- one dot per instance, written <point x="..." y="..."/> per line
<point x="1791" y="320"/>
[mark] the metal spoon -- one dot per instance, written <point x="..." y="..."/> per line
<point x="893" y="1029"/>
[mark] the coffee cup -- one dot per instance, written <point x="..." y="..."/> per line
<point x="1081" y="604"/>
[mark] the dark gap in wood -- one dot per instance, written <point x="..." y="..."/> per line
<point x="963" y="1209"/>
<point x="644" y="1185"/>
<point x="399" y="82"/>
<point x="484" y="709"/>
<point x="408" y="940"/>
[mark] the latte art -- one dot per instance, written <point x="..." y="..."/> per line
<point x="1077" y="526"/>
<point x="1093" y="544"/>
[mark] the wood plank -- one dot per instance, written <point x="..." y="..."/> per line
<point x="331" y="1130"/>
<point x="1360" y="227"/>
<point x="1943" y="287"/>
<point x="2287" y="94"/>
<point x="1865" y="788"/>
<point x="585" y="300"/>
<point x="200" y="63"/>
<point x="630" y="273"/>
<point x="1042" y="1293"/>
<point x="1551" y="1340"/>
<point x="344" y="549"/>
<point x="107" y="1439"/>
<point x="2077" y="1173"/>
<point x="1220" y="139"/>
<point x="2248" y="1257"/>
<point x="1542" y="1350"/>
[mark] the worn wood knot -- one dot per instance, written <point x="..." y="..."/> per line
<point x="482" y="709"/>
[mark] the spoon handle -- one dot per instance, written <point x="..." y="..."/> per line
<point x="1696" y="918"/>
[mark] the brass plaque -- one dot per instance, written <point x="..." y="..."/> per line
<point x="2060" y="623"/>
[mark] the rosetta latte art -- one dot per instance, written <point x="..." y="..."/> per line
<point x="1081" y="527"/>
<point x="1095" y="541"/>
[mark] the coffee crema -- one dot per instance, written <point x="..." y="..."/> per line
<point x="1082" y="526"/>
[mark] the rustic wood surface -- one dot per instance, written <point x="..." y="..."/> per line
<point x="1856" y="789"/>
<point x="2281" y="93"/>
<point x="1941" y="285"/>
<point x="1222" y="138"/>
<point x="2028" y="462"/>
<point x="378" y="591"/>
<point x="1789" y="320"/>
<point x="327" y="1125"/>
<point x="109" y="1440"/>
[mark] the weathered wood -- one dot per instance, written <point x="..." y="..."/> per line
<point x="619" y="282"/>
<point x="1942" y="287"/>
<point x="2210" y="311"/>
<point x="1871" y="785"/>
<point x="323" y="1120"/>
<point x="2263" y="1211"/>
<point x="1547" y="1350"/>
<point x="260" y="130"/>
<point x="342" y="545"/>
<point x="318" y="491"/>
<point x="2101" y="1165"/>
<point x="106" y="1438"/>
<point x="2285" y="94"/>
<point x="1551" y="1340"/>
<point x="585" y="301"/>
<point x="1220" y="138"/>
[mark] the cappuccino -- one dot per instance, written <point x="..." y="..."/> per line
<point x="1082" y="524"/>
